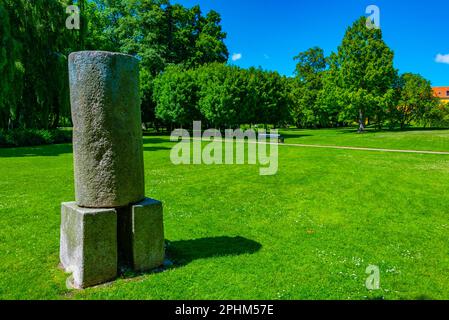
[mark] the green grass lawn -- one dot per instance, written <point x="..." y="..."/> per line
<point x="415" y="139"/>
<point x="308" y="232"/>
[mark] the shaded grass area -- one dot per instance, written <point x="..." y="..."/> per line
<point x="308" y="232"/>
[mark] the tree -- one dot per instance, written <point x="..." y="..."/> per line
<point x="159" y="34"/>
<point x="309" y="72"/>
<point x="8" y="69"/>
<point x="415" y="100"/>
<point x="364" y="73"/>
<point x="175" y="94"/>
<point x="35" y="64"/>
<point x="222" y="94"/>
<point x="209" y="45"/>
<point x="437" y="116"/>
<point x="272" y="99"/>
<point x="329" y="99"/>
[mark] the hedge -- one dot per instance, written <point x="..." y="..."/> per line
<point x="33" y="137"/>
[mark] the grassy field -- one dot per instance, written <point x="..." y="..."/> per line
<point x="308" y="232"/>
<point x="431" y="140"/>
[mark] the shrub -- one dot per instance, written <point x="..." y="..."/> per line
<point x="33" y="137"/>
<point x="62" y="136"/>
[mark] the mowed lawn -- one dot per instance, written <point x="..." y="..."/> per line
<point x="308" y="232"/>
<point x="416" y="139"/>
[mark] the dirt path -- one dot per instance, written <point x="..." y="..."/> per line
<point x="347" y="148"/>
<point x="364" y="149"/>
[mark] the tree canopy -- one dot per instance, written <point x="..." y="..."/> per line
<point x="364" y="73"/>
<point x="222" y="96"/>
<point x="36" y="43"/>
<point x="184" y="75"/>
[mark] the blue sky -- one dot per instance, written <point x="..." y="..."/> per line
<point x="269" y="33"/>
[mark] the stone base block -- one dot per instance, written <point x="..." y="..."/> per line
<point x="88" y="246"/>
<point x="148" y="235"/>
<point x="141" y="236"/>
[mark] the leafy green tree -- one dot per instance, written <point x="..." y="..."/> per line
<point x="273" y="104"/>
<point x="160" y="34"/>
<point x="415" y="101"/>
<point x="329" y="101"/>
<point x="221" y="95"/>
<point x="100" y="20"/>
<point x="437" y="116"/>
<point x="8" y="69"/>
<point x="209" y="45"/>
<point x="364" y="73"/>
<point x="175" y="95"/>
<point x="309" y="71"/>
<point x="39" y="42"/>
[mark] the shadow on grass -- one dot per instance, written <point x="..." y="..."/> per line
<point x="375" y="130"/>
<point x="155" y="140"/>
<point x="155" y="148"/>
<point x="295" y="136"/>
<point x="412" y="129"/>
<point x="155" y="134"/>
<point x="55" y="150"/>
<point x="183" y="252"/>
<point x="39" y="151"/>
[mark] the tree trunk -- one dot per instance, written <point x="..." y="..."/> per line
<point x="361" y="121"/>
<point x="83" y="25"/>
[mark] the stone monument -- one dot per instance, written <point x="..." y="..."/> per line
<point x="111" y="225"/>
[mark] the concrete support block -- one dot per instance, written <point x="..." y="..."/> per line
<point x="141" y="236"/>
<point x="148" y="235"/>
<point x="88" y="246"/>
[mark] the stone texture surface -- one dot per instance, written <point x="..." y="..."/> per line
<point x="88" y="246"/>
<point x="145" y="235"/>
<point x="107" y="133"/>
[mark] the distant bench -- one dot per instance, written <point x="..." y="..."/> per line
<point x="268" y="136"/>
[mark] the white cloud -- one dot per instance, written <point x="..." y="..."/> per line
<point x="236" y="56"/>
<point x="442" y="58"/>
<point x="266" y="56"/>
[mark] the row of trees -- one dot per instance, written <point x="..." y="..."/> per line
<point x="159" y="34"/>
<point x="184" y="76"/>
<point x="357" y="84"/>
<point x="221" y="96"/>
<point x="35" y="44"/>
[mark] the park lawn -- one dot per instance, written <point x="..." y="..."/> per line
<point x="308" y="232"/>
<point x="412" y="139"/>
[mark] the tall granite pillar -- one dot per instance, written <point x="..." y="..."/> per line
<point x="100" y="227"/>
<point x="107" y="134"/>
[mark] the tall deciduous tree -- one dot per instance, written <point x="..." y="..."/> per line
<point x="309" y="72"/>
<point x="8" y="70"/>
<point x="159" y="33"/>
<point x="37" y="42"/>
<point x="415" y="100"/>
<point x="176" y="97"/>
<point x="365" y="73"/>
